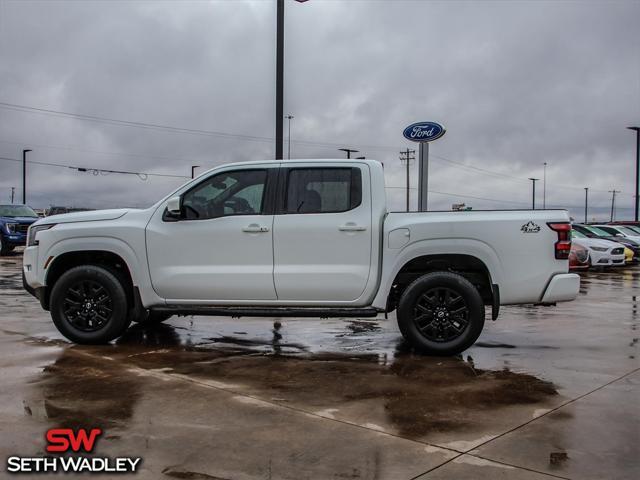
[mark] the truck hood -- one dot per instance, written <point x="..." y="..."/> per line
<point x="21" y="220"/>
<point x="90" y="216"/>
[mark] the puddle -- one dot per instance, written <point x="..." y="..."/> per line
<point x="85" y="392"/>
<point x="418" y="394"/>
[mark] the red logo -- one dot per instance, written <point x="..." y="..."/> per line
<point x="63" y="439"/>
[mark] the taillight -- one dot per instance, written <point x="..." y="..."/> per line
<point x="563" y="245"/>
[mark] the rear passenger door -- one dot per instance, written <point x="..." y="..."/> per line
<point x="322" y="232"/>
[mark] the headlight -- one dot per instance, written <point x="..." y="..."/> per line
<point x="11" y="227"/>
<point x="31" y="236"/>
<point x="599" y="249"/>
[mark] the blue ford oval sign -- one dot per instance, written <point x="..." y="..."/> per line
<point x="423" y="131"/>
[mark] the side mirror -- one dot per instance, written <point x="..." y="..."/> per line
<point x="174" y="208"/>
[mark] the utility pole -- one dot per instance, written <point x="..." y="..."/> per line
<point x="279" y="76"/>
<point x="533" y="201"/>
<point x="289" y="117"/>
<point x="586" y="202"/>
<point x="24" y="175"/>
<point x="637" y="130"/>
<point x="193" y="170"/>
<point x="405" y="157"/>
<point x="613" y="202"/>
<point x="349" y="151"/>
<point x="13" y="193"/>
<point x="544" y="187"/>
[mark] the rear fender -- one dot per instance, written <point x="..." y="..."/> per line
<point x="394" y="260"/>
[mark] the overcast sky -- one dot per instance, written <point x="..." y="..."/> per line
<point x="515" y="84"/>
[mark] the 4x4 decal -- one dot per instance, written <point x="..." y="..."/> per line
<point x="530" y="227"/>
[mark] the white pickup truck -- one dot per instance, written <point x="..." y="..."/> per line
<point x="304" y="238"/>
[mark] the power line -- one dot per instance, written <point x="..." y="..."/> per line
<point x="98" y="171"/>
<point x="145" y="175"/>
<point x="97" y="152"/>
<point x="253" y="138"/>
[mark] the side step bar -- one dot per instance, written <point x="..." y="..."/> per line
<point x="212" y="310"/>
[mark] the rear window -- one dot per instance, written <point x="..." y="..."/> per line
<point x="323" y="190"/>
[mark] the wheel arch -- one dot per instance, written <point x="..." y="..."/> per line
<point x="112" y="261"/>
<point x="470" y="266"/>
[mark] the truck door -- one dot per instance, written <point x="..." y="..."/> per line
<point x="221" y="249"/>
<point x="322" y="232"/>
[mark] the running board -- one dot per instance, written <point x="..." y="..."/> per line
<point x="211" y="310"/>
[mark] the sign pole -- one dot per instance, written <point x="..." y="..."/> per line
<point x="423" y="133"/>
<point x="423" y="176"/>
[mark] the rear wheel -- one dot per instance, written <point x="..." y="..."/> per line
<point x="89" y="305"/>
<point x="441" y="313"/>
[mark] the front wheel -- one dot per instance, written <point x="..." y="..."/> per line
<point x="89" y="305"/>
<point x="441" y="313"/>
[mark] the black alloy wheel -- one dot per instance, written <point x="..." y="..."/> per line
<point x="441" y="313"/>
<point x="89" y="305"/>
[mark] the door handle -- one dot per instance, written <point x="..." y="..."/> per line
<point x="255" y="228"/>
<point x="351" y="227"/>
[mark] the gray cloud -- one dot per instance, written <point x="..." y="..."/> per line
<point x="515" y="83"/>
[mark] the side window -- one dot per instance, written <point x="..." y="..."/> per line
<point x="240" y="192"/>
<point x="323" y="190"/>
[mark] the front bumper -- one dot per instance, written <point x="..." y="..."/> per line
<point x="15" y="239"/>
<point x="38" y="292"/>
<point x="562" y="288"/>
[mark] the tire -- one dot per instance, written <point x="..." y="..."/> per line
<point x="147" y="317"/>
<point x="441" y="313"/>
<point x="105" y="317"/>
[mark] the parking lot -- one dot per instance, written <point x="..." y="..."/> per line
<point x="545" y="392"/>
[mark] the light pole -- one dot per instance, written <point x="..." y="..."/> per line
<point x="289" y="117"/>
<point x="279" y="76"/>
<point x="613" y="202"/>
<point x="193" y="170"/>
<point x="544" y="187"/>
<point x="349" y="151"/>
<point x="533" y="198"/>
<point x="586" y="202"/>
<point x="637" y="130"/>
<point x="24" y="175"/>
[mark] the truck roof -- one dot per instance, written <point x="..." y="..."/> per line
<point x="306" y="160"/>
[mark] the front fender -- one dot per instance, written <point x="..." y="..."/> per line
<point x="394" y="260"/>
<point x="106" y="244"/>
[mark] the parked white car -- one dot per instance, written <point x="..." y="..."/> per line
<point x="602" y="253"/>
<point x="620" y="230"/>
<point x="298" y="238"/>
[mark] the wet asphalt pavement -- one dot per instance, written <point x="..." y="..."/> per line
<point x="546" y="392"/>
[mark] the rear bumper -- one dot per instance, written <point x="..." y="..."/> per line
<point x="562" y="288"/>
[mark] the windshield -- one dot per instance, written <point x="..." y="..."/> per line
<point x="17" y="211"/>
<point x="627" y="231"/>
<point x="597" y="231"/>
<point x="577" y="234"/>
<point x="634" y="228"/>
